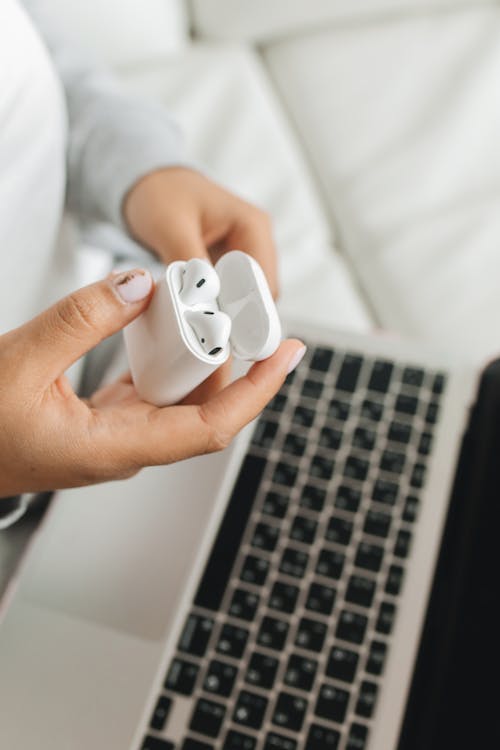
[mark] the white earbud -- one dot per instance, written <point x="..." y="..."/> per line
<point x="212" y="329"/>
<point x="200" y="282"/>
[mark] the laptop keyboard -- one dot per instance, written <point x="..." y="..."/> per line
<point x="285" y="644"/>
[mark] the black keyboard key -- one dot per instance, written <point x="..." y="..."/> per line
<point x="432" y="412"/>
<point x="332" y="703"/>
<point x="303" y="416"/>
<point x="232" y="641"/>
<point x="300" y="672"/>
<point x="410" y="511"/>
<point x="295" y="444"/>
<point x="220" y="678"/>
<point x="321" y="467"/>
<point x="330" y="438"/>
<point x="322" y="738"/>
<point x="303" y="530"/>
<point x="357" y="738"/>
<point x="265" y="537"/>
<point x="425" y="444"/>
<point x="403" y="544"/>
<point x="348" y="498"/>
<point x="261" y="670"/>
<point x="364" y="438"/>
<point x="356" y="468"/>
<point x="196" y="634"/>
<point x="377" y="523"/>
<point x="380" y="377"/>
<point x="272" y="633"/>
<point x="283" y="597"/>
<point x="278" y="403"/>
<point x="181" y="677"/>
<point x="351" y="626"/>
<point x="294" y="562"/>
<point x="339" y="409"/>
<point x="264" y="433"/>
<point x="376" y="658"/>
<point x="406" y="404"/>
<point x="413" y="376"/>
<point x="289" y="712"/>
<point x="160" y="714"/>
<point x="369" y="556"/>
<point x="321" y="359"/>
<point x="239" y="741"/>
<point x="207" y="717"/>
<point x="228" y="541"/>
<point x="275" y="741"/>
<point x="394" y="580"/>
<point x="339" y="530"/>
<point x="385" y="619"/>
<point x="275" y="505"/>
<point x="399" y="432"/>
<point x="254" y="570"/>
<point x="418" y="476"/>
<point x="342" y="664"/>
<point x="153" y="743"/>
<point x="385" y="492"/>
<point x="250" y="709"/>
<point x="360" y="591"/>
<point x="392" y="461"/>
<point x="285" y="474"/>
<point x="372" y="410"/>
<point x="310" y="634"/>
<point x="366" y="699"/>
<point x="438" y="384"/>
<point x="330" y="563"/>
<point x="349" y="373"/>
<point x="191" y="744"/>
<point x="320" y="598"/>
<point x="244" y="605"/>
<point x="313" y="498"/>
<point x="312" y="388"/>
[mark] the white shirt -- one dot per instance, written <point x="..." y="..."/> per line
<point x="32" y="166"/>
<point x="111" y="139"/>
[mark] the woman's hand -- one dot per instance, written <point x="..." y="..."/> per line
<point x="180" y="214"/>
<point x="50" y="438"/>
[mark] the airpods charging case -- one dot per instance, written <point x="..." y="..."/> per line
<point x="165" y="357"/>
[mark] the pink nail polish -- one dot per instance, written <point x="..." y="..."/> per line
<point x="296" y="358"/>
<point x="133" y="286"/>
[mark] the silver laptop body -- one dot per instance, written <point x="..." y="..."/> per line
<point x="96" y="617"/>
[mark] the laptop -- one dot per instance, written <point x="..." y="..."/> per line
<point x="285" y="594"/>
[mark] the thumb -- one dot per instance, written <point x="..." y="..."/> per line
<point x="184" y="242"/>
<point x="77" y="323"/>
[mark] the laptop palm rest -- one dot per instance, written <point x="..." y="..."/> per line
<point x="119" y="554"/>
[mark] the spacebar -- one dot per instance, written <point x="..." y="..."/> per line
<point x="220" y="563"/>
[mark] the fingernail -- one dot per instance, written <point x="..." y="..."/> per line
<point x="132" y="286"/>
<point x="296" y="358"/>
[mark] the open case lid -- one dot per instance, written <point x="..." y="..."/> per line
<point x="245" y="296"/>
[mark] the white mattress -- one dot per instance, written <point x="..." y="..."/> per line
<point x="401" y="122"/>
<point x="235" y="127"/>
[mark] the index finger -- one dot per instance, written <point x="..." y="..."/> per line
<point x="174" y="433"/>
